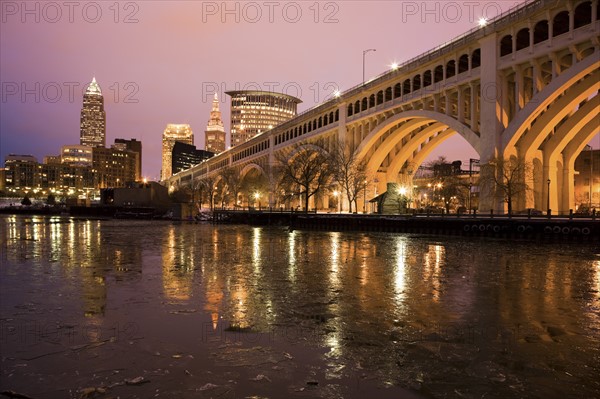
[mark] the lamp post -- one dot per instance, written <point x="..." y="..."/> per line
<point x="591" y="176"/>
<point x="365" y="53"/>
<point x="548" y="202"/>
<point x="365" y="198"/>
<point x="212" y="206"/>
<point x="470" y="188"/>
<point x="257" y="197"/>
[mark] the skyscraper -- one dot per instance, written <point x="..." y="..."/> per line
<point x="172" y="134"/>
<point x="134" y="146"/>
<point x="93" y="118"/>
<point x="215" y="132"/>
<point x="255" y="112"/>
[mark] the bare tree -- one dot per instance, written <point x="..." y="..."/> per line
<point x="348" y="172"/>
<point x="305" y="169"/>
<point x="508" y="177"/>
<point x="232" y="186"/>
<point x="274" y="182"/>
<point x="209" y="183"/>
<point x="198" y="190"/>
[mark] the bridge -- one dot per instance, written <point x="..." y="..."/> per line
<point x="524" y="87"/>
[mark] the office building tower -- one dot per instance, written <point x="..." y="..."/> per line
<point x="92" y="131"/>
<point x="255" y="112"/>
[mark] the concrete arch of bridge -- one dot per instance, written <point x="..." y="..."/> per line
<point x="562" y="108"/>
<point x="426" y="116"/>
<point x="546" y="139"/>
<point x="542" y="100"/>
<point x="425" y="145"/>
<point x="250" y="168"/>
<point x="302" y="147"/>
<point x="398" y="133"/>
<point x="412" y="147"/>
<point x="568" y="131"/>
<point x="569" y="154"/>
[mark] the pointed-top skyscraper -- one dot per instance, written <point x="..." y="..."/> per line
<point x="215" y="131"/>
<point x="93" y="118"/>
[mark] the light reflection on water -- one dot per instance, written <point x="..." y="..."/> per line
<point x="398" y="269"/>
<point x="362" y="296"/>
<point x="597" y="265"/>
<point x="400" y="272"/>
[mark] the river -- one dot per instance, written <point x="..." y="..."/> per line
<point x="140" y="309"/>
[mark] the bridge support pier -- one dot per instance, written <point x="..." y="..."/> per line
<point x="491" y="115"/>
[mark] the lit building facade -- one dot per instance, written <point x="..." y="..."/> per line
<point x="255" y="112"/>
<point x="587" y="179"/>
<point x="215" y="131"/>
<point x="186" y="155"/>
<point x="52" y="159"/>
<point x="93" y="117"/>
<point x="135" y="146"/>
<point x="113" y="167"/>
<point x="172" y="134"/>
<point x="25" y="176"/>
<point x="21" y="172"/>
<point x="76" y="155"/>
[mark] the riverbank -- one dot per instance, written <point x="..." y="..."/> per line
<point x="515" y="227"/>
<point x="522" y="227"/>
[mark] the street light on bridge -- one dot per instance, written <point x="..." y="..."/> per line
<point x="364" y="53"/>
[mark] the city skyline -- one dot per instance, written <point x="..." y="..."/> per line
<point x="144" y="89"/>
<point x="41" y="107"/>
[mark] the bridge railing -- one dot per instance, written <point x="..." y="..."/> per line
<point x="498" y="22"/>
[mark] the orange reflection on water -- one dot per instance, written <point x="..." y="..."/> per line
<point x="433" y="261"/>
<point x="292" y="256"/>
<point x="334" y="277"/>
<point x="214" y="296"/>
<point x="239" y="304"/>
<point x="256" y="251"/>
<point x="400" y="271"/>
<point x="177" y="265"/>
<point x="597" y="266"/>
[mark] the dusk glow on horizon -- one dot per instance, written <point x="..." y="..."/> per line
<point x="162" y="62"/>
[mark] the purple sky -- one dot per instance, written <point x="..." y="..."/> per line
<point x="162" y="66"/>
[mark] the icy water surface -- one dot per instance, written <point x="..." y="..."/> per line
<point x="142" y="309"/>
